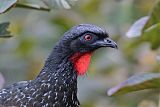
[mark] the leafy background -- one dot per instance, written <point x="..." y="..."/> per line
<point x="35" y="33"/>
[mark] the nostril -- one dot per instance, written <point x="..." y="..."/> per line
<point x="108" y="41"/>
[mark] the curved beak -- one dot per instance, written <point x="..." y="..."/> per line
<point x="107" y="42"/>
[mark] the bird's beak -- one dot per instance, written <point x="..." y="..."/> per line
<point x="107" y="42"/>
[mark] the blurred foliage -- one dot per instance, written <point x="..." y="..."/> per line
<point x="4" y="33"/>
<point x="59" y="3"/>
<point x="35" y="32"/>
<point x="154" y="15"/>
<point x="135" y="83"/>
<point x="147" y="28"/>
<point x="6" y="4"/>
<point x="49" y="4"/>
<point x="151" y="29"/>
<point x="152" y="35"/>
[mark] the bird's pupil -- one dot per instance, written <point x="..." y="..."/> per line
<point x="88" y="37"/>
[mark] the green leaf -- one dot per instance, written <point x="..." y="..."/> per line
<point x="6" y="4"/>
<point x="152" y="27"/>
<point x="136" y="83"/>
<point x="152" y="35"/>
<point x="154" y="16"/>
<point x="4" y="33"/>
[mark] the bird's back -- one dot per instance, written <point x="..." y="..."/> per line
<point x="12" y="95"/>
<point x="37" y="94"/>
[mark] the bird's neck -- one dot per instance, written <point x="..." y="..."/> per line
<point x="59" y="72"/>
<point x="58" y="67"/>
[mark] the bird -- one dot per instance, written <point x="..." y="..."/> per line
<point x="56" y="84"/>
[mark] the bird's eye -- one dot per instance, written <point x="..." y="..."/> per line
<point x="87" y="37"/>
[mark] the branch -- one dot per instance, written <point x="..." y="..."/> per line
<point x="31" y="6"/>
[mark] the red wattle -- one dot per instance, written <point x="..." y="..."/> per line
<point x="81" y="62"/>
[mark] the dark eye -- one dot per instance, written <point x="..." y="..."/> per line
<point x="87" y="37"/>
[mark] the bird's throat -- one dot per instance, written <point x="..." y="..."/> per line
<point x="81" y="62"/>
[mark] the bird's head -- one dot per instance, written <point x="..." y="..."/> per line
<point x="81" y="41"/>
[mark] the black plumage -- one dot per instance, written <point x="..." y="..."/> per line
<point x="56" y="84"/>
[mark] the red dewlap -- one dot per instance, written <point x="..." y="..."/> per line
<point x="81" y="62"/>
